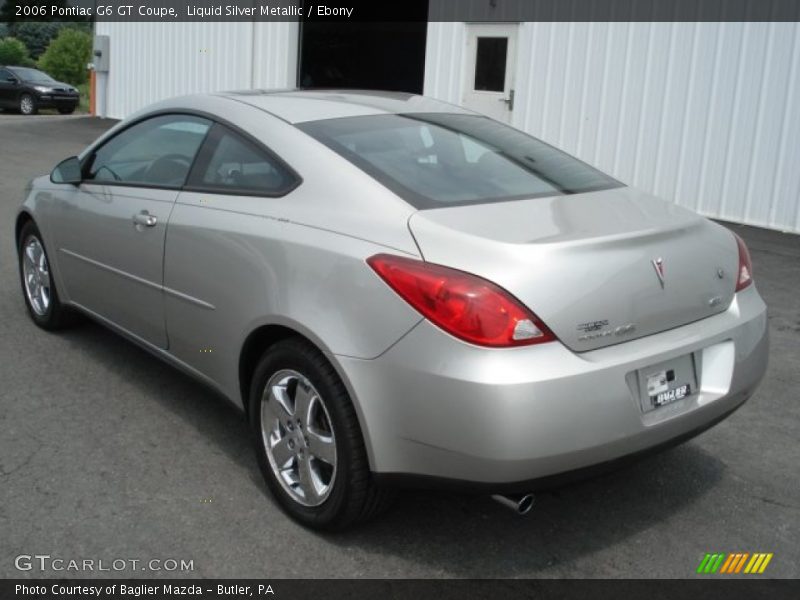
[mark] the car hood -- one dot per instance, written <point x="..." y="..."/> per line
<point x="52" y="85"/>
<point x="586" y="263"/>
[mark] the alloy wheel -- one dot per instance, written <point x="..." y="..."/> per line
<point x="298" y="437"/>
<point x="26" y="105"/>
<point x="36" y="272"/>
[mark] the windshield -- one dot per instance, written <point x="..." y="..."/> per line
<point x="32" y="75"/>
<point x="439" y="159"/>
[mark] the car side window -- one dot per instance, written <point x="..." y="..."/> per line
<point x="231" y="163"/>
<point x="5" y="76"/>
<point x="157" y="152"/>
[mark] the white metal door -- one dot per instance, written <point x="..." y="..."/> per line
<point x="490" y="61"/>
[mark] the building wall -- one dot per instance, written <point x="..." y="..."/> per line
<point x="153" y="61"/>
<point x="704" y="114"/>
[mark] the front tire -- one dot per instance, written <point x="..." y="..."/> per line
<point x="27" y="104"/>
<point x="66" y="110"/>
<point x="308" y="440"/>
<point x="38" y="285"/>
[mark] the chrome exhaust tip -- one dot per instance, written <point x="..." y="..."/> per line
<point x="521" y="504"/>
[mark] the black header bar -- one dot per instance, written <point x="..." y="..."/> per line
<point x="708" y="588"/>
<point x="400" y="11"/>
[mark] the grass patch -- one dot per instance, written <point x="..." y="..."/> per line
<point x="83" y="105"/>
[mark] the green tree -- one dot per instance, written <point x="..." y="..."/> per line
<point x="14" y="52"/>
<point x="66" y="57"/>
<point x="37" y="36"/>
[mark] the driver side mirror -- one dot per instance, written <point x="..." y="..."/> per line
<point x="67" y="171"/>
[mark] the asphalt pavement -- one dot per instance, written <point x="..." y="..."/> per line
<point x="108" y="454"/>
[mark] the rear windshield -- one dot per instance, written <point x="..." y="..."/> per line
<point x="441" y="159"/>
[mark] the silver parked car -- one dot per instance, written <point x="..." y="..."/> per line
<point x="397" y="291"/>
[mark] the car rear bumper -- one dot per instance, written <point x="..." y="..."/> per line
<point x="436" y="408"/>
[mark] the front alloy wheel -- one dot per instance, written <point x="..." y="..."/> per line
<point x="36" y="275"/>
<point x="27" y="104"/>
<point x="38" y="283"/>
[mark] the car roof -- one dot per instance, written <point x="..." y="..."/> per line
<point x="297" y="106"/>
<point x="17" y="67"/>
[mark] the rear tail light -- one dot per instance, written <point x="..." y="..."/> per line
<point x="744" y="275"/>
<point x="464" y="305"/>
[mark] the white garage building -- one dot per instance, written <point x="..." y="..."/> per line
<point x="704" y="114"/>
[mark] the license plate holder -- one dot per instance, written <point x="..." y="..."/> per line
<point x="667" y="382"/>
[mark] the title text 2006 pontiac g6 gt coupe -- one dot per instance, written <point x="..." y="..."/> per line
<point x="397" y="291"/>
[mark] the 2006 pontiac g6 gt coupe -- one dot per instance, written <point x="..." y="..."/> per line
<point x="397" y="291"/>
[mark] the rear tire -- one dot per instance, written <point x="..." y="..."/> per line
<point x="38" y="284"/>
<point x="292" y="381"/>
<point x="27" y="104"/>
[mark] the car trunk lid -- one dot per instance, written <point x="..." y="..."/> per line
<point x="598" y="268"/>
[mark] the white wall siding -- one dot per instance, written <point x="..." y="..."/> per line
<point x="276" y="48"/>
<point x="153" y="61"/>
<point x="444" y="70"/>
<point x="704" y="114"/>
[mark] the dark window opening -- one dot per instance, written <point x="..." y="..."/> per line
<point x="490" y="64"/>
<point x="374" y="56"/>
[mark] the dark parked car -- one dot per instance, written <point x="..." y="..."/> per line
<point x="28" y="90"/>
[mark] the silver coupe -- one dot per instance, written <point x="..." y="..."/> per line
<point x="397" y="291"/>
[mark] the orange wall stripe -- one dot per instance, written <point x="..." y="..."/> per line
<point x="92" y="92"/>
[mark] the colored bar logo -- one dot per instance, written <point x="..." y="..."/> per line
<point x="734" y="563"/>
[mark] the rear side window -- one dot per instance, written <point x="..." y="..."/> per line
<point x="230" y="163"/>
<point x="157" y="152"/>
<point x="437" y="160"/>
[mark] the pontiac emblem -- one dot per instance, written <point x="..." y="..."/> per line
<point x="658" y="265"/>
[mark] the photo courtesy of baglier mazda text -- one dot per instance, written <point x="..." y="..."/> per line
<point x="428" y="290"/>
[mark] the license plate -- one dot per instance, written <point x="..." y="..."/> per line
<point x="676" y="393"/>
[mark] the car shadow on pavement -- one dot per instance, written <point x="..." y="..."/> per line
<point x="220" y="423"/>
<point x="474" y="536"/>
<point x="457" y="535"/>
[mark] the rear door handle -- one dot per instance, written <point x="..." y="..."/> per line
<point x="145" y="219"/>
